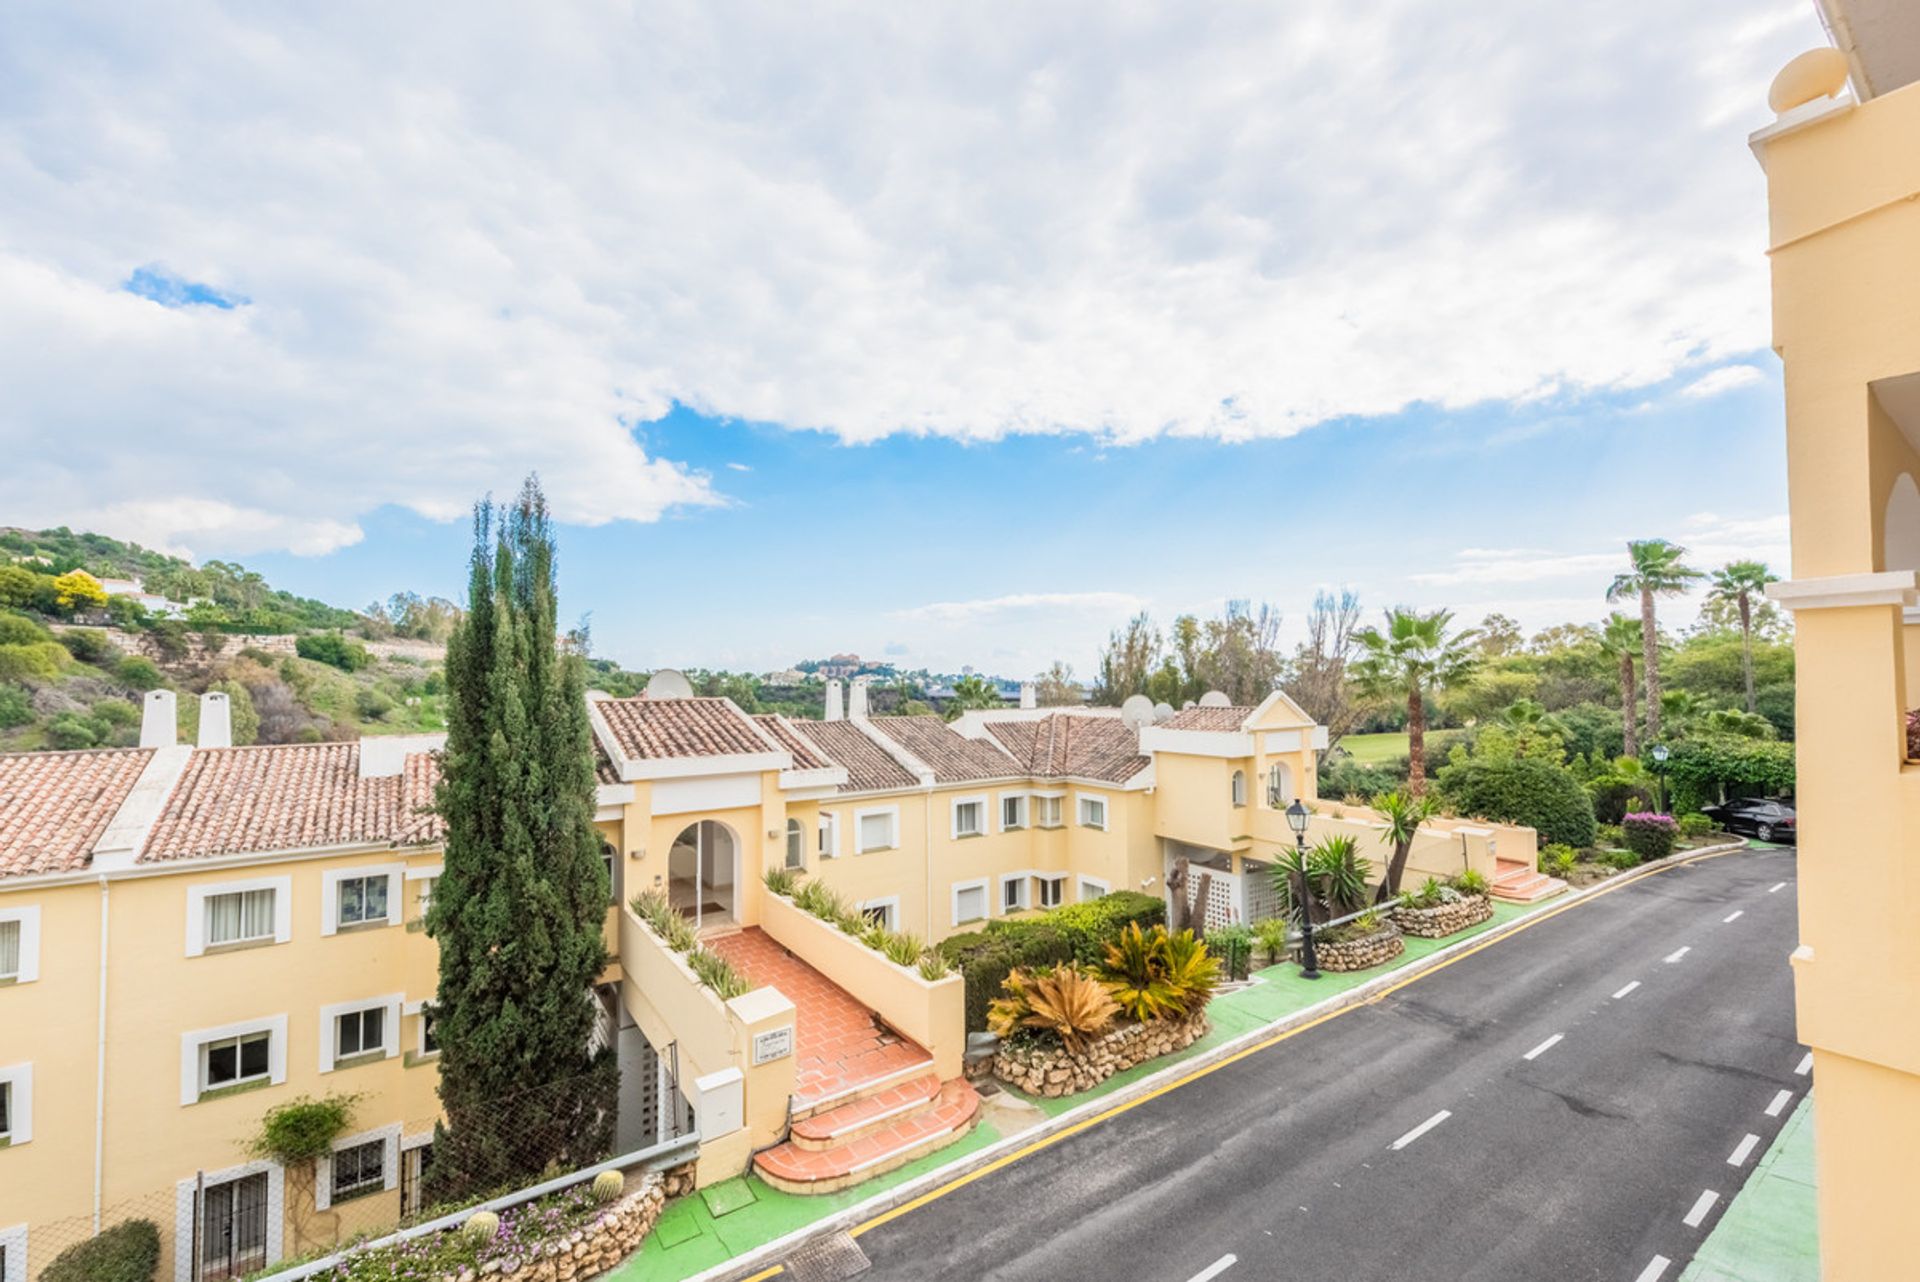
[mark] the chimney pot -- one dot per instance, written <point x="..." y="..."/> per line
<point x="834" y="710"/>
<point x="857" y="699"/>
<point x="159" y="720"/>
<point x="1029" y="698"/>
<point x="216" y="720"/>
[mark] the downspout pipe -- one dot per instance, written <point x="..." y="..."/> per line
<point x="100" y="1065"/>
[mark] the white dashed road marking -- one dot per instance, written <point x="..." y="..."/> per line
<point x="1701" y="1206"/>
<point x="1806" y="1065"/>
<point x="1677" y="954"/>
<point x="1655" y="1270"/>
<point x="1421" y="1129"/>
<point x="1629" y="988"/>
<point x="1779" y="1102"/>
<point x="1732" y="916"/>
<point x="1775" y="886"/>
<point x="1744" y="1150"/>
<point x="1543" y="1047"/>
<point x="1215" y="1269"/>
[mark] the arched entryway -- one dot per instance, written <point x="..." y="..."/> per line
<point x="703" y="869"/>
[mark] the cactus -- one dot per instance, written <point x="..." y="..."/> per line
<point x="480" y="1227"/>
<point x="608" y="1185"/>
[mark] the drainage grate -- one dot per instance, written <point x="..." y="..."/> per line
<point x="828" y="1260"/>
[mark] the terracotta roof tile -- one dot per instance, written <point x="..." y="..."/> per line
<point x="1065" y="744"/>
<point x="604" y="771"/>
<point x="653" y="729"/>
<point x="55" y="805"/>
<point x="289" y="797"/>
<point x="951" y="756"/>
<point x="805" y="755"/>
<point x="1227" y="719"/>
<point x="868" y="767"/>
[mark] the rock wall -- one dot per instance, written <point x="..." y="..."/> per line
<point x="1053" y="1071"/>
<point x="1381" y="946"/>
<point x="594" y="1248"/>
<point x="1443" y="919"/>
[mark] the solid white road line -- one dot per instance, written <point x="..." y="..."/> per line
<point x="1806" y="1065"/>
<point x="1215" y="1269"/>
<point x="1421" y="1129"/>
<point x="1775" y="886"/>
<point x="1779" y="1102"/>
<point x="1677" y="954"/>
<point x="1744" y="1150"/>
<point x="1701" y="1206"/>
<point x="1629" y="988"/>
<point x="1543" y="1047"/>
<point x="1656" y="1269"/>
<point x="1732" y="916"/>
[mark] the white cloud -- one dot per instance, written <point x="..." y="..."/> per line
<point x="1725" y="379"/>
<point x="739" y="467"/>
<point x="987" y="608"/>
<point x="479" y="249"/>
<point x="1517" y="565"/>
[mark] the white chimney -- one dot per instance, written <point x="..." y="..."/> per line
<point x="834" y="712"/>
<point x="159" y="720"/>
<point x="383" y="756"/>
<point x="1028" y="698"/>
<point x="216" y="720"/>
<point x="857" y="699"/>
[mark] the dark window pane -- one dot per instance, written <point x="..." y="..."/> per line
<point x="376" y="896"/>
<point x="221" y="1063"/>
<point x="253" y="1056"/>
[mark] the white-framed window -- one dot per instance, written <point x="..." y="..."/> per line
<point x="1279" y="786"/>
<point x="425" y="881"/>
<point x="1013" y="892"/>
<point x="353" y="898"/>
<point x="13" y="1254"/>
<point x="796" y="845"/>
<point x="365" y="1163"/>
<point x="882" y="912"/>
<point x="359" y="1030"/>
<point x="213" y="1059"/>
<point x="429" y="1035"/>
<point x="1093" y="811"/>
<point x="1051" y="891"/>
<point x="16" y="1104"/>
<point x="424" y="1037"/>
<point x="428" y="885"/>
<point x="1239" y="788"/>
<point x="829" y="835"/>
<point x="876" y="829"/>
<point x="969" y="817"/>
<point x="19" y="946"/>
<point x="1092" y="888"/>
<point x="1047" y="810"/>
<point x="416" y="1158"/>
<point x="610" y="860"/>
<point x="970" y="902"/>
<point x="226" y="914"/>
<point x="1013" y="811"/>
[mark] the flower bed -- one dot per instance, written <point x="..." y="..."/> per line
<point x="1045" y="1067"/>
<point x="1443" y="919"/>
<point x="1361" y="952"/>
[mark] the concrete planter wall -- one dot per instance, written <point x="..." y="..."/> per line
<point x="1053" y="1071"/>
<point x="1443" y="919"/>
<point x="1380" y="947"/>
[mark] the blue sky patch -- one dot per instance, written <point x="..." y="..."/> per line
<point x="169" y="290"/>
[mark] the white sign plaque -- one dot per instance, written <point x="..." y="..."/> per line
<point x="775" y="1043"/>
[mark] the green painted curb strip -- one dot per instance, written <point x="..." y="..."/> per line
<point x="1770" y="1232"/>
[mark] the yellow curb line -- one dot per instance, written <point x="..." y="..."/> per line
<point x="1000" y="1163"/>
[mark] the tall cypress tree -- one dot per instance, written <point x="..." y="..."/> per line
<point x="519" y="909"/>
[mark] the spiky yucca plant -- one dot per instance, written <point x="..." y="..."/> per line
<point x="1192" y="972"/>
<point x="1135" y="973"/>
<point x="1071" y="1005"/>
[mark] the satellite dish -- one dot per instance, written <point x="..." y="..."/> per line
<point x="1214" y="699"/>
<point x="1188" y="704"/>
<point x="1136" y="711"/>
<point x="1162" y="711"/>
<point x="669" y="683"/>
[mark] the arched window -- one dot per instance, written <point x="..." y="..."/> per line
<point x="1239" y="787"/>
<point x="796" y="844"/>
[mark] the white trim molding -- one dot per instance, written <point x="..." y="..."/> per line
<point x="275" y="1026"/>
<point x="389" y="1026"/>
<point x="979" y="799"/>
<point x="1052" y="879"/>
<point x="14" y="1242"/>
<point x="197" y="896"/>
<point x="330" y="893"/>
<point x="1024" y="801"/>
<point x="1841" y="591"/>
<point x="890" y="903"/>
<point x="1086" y="883"/>
<point x="389" y="1162"/>
<point x="986" y="895"/>
<point x="1024" y="880"/>
<point x="892" y="816"/>
<point x="20" y="1078"/>
<point x="183" y="1234"/>
<point x="827" y="834"/>
<point x="28" y="915"/>
<point x="1081" y="800"/>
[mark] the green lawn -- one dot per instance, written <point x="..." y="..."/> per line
<point x="1375" y="749"/>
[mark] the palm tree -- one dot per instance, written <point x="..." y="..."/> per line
<point x="1403" y="815"/>
<point x="1657" y="571"/>
<point x="1413" y="655"/>
<point x="1621" y="640"/>
<point x="1737" y="581"/>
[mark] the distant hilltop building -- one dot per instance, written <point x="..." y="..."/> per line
<point x="153" y="602"/>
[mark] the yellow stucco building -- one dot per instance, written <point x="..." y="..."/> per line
<point x="1842" y="162"/>
<point x="192" y="934"/>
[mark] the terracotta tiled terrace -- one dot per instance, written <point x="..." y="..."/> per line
<point x="838" y="1046"/>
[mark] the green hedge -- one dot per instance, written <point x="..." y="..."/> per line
<point x="1538" y="794"/>
<point x="1649" y="836"/>
<point x="1076" y="932"/>
<point x="127" y="1252"/>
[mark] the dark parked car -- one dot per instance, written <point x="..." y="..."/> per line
<point x="1756" y="817"/>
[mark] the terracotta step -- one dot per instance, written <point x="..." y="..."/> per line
<point x="1524" y="887"/>
<point x="889" y="1066"/>
<point x="864" y="1116"/>
<point x="794" y="1169"/>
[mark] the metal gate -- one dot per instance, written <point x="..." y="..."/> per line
<point x="232" y="1224"/>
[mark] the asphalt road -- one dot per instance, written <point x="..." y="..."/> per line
<point x="1415" y="1138"/>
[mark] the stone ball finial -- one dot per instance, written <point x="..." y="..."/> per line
<point x="1817" y="73"/>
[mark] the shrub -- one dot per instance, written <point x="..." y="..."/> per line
<point x="1557" y="860"/>
<point x="1430" y="895"/>
<point x="334" y="650"/>
<point x="1614" y="797"/>
<point x="985" y="958"/>
<point x="302" y="1129"/>
<point x="1650" y="836"/>
<point x="127" y="1252"/>
<point x="1272" y="934"/>
<point x="1619" y="859"/>
<point x="1089" y="926"/>
<point x="1524" y="790"/>
<point x="1153" y="975"/>
<point x="1469" y="882"/>
<point x="34" y="661"/>
<point x="717" y="973"/>
<point x="372" y="705"/>
<point x="1233" y="945"/>
<point x="901" y="948"/>
<point x="1607" y="835"/>
<point x="1695" y="825"/>
<point x="782" y="881"/>
<point x="1335" y="872"/>
<point x="933" y="966"/>
<point x="89" y="645"/>
<point x="68" y="732"/>
<point x="18" y="629"/>
<point x="16" y="709"/>
<point x="822" y="901"/>
<point x="1063" y="1001"/>
<point x="138" y="672"/>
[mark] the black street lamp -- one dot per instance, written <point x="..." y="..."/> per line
<point x="1309" y="964"/>
<point x="1660" y="753"/>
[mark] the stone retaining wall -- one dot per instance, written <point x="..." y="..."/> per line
<point x="1443" y="919"/>
<point x="1380" y="947"/>
<point x="595" y="1248"/>
<point x="1052" y="1071"/>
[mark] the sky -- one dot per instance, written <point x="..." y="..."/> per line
<point x="950" y="336"/>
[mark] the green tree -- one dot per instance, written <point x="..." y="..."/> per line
<point x="1414" y="654"/>
<point x="78" y="590"/>
<point x="1621" y="640"/>
<point x="1127" y="661"/>
<point x="240" y="710"/>
<point x="1056" y="688"/>
<point x="1738" y="582"/>
<point x="519" y="910"/>
<point x="973" y="692"/>
<point x="1403" y="813"/>
<point x="1657" y="571"/>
